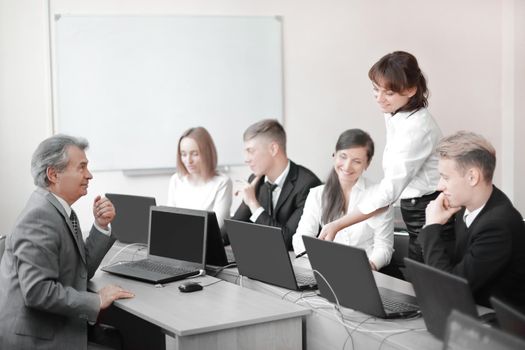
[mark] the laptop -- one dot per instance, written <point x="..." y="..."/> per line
<point x="464" y="332"/>
<point x="216" y="253"/>
<point x="348" y="272"/>
<point x="131" y="222"/>
<point x="176" y="249"/>
<point x="438" y="293"/>
<point x="509" y="319"/>
<point x="261" y="254"/>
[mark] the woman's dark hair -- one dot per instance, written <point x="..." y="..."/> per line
<point x="333" y="200"/>
<point x="399" y="71"/>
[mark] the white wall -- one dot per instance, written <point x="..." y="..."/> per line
<point x="328" y="48"/>
<point x="519" y="104"/>
<point x="24" y="100"/>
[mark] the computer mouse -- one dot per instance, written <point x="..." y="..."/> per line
<point x="190" y="287"/>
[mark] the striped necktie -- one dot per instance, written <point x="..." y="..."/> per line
<point x="76" y="226"/>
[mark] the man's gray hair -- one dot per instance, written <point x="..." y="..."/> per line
<point x="52" y="153"/>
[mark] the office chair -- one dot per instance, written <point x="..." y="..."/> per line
<point x="401" y="240"/>
<point x="397" y="263"/>
<point x="105" y="337"/>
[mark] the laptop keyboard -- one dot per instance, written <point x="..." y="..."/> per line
<point x="398" y="306"/>
<point x="154" y="266"/>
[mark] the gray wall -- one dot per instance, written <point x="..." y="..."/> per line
<point x="468" y="51"/>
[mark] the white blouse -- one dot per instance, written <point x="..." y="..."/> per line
<point x="375" y="235"/>
<point x="410" y="163"/>
<point x="214" y="195"/>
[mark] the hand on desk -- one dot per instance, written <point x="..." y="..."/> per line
<point x="329" y="231"/>
<point x="112" y="292"/>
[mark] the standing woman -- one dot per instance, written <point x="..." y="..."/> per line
<point x="197" y="184"/>
<point x="410" y="163"/>
<point x="344" y="189"/>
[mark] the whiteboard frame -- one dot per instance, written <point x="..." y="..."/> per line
<point x="152" y="170"/>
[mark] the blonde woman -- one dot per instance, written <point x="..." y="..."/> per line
<point x="197" y="184"/>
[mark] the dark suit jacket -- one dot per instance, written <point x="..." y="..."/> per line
<point x="44" y="273"/>
<point x="289" y="207"/>
<point x="490" y="254"/>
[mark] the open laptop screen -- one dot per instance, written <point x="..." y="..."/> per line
<point x="177" y="234"/>
<point x="132" y="220"/>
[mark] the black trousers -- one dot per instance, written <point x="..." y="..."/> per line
<point x="413" y="212"/>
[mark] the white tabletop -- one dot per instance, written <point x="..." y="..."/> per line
<point x="218" y="306"/>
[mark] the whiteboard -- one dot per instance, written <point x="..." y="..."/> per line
<point x="132" y="84"/>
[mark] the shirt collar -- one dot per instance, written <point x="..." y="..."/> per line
<point x="469" y="216"/>
<point x="66" y="206"/>
<point x="403" y="114"/>
<point x="281" y="178"/>
<point x="360" y="183"/>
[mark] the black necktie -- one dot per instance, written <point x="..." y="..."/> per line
<point x="76" y="226"/>
<point x="270" y="188"/>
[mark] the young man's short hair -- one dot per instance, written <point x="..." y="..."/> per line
<point x="469" y="149"/>
<point x="269" y="128"/>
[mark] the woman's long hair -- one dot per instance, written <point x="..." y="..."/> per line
<point x="207" y="150"/>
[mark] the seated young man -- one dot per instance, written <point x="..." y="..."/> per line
<point x="276" y="191"/>
<point x="490" y="233"/>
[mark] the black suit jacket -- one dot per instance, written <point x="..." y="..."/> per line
<point x="289" y="207"/>
<point x="490" y="254"/>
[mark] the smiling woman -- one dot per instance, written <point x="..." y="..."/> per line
<point x="344" y="189"/>
<point x="409" y="159"/>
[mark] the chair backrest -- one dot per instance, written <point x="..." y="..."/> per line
<point x="2" y="246"/>
<point x="400" y="248"/>
<point x="399" y="223"/>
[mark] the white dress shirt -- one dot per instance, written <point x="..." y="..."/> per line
<point x="469" y="216"/>
<point x="375" y="235"/>
<point x="68" y="209"/>
<point x="410" y="163"/>
<point x="213" y="195"/>
<point x="275" y="194"/>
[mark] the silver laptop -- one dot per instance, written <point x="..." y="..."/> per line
<point x="176" y="247"/>
<point x="132" y="220"/>
<point x="261" y="254"/>
<point x="347" y="271"/>
<point x="467" y="333"/>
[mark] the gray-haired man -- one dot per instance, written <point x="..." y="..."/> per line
<point x="44" y="272"/>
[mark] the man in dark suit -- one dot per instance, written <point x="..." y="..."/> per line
<point x="44" y="302"/>
<point x="490" y="234"/>
<point x="277" y="189"/>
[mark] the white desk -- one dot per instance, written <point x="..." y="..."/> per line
<point x="326" y="330"/>
<point x="221" y="316"/>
